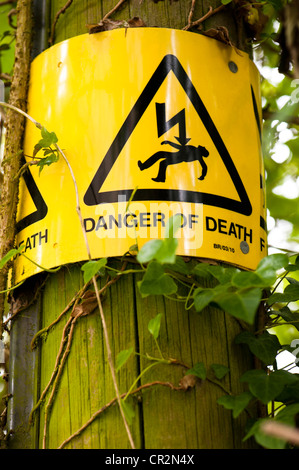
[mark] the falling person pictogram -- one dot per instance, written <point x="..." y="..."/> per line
<point x="185" y="153"/>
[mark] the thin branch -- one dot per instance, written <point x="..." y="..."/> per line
<point x="114" y="400"/>
<point x="6" y="2"/>
<point x="12" y="12"/>
<point x="109" y="355"/>
<point x="114" y="9"/>
<point x="65" y="310"/>
<point x="20" y="111"/>
<point x="191" y="12"/>
<point x="43" y="395"/>
<point x="210" y="13"/>
<point x="60" y="360"/>
<point x="78" y="209"/>
<point x="24" y="307"/>
<point x="60" y="12"/>
<point x="5" y="76"/>
<point x="110" y="362"/>
<point x="58" y="375"/>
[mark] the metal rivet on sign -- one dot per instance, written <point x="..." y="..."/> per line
<point x="244" y="247"/>
<point x="233" y="67"/>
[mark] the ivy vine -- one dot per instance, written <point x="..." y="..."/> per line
<point x="272" y="286"/>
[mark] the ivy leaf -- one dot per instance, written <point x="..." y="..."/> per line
<point x="263" y="439"/>
<point x="163" y="251"/>
<point x="222" y="274"/>
<point x="219" y="370"/>
<point x="290" y="294"/>
<point x="202" y="270"/>
<point x="10" y="254"/>
<point x="91" y="268"/>
<point x="292" y="267"/>
<point x="48" y="138"/>
<point x="289" y="316"/>
<point x="288" y="414"/>
<point x="202" y="298"/>
<point x="198" y="370"/>
<point x="48" y="160"/>
<point x="290" y="392"/>
<point x="252" y="279"/>
<point x="149" y="250"/>
<point x="235" y="403"/>
<point x="172" y="226"/>
<point x="154" y="325"/>
<point x="156" y="282"/>
<point x="265" y="274"/>
<point x="122" y="358"/>
<point x="128" y="410"/>
<point x="264" y="346"/>
<point x="179" y="266"/>
<point x="36" y="149"/>
<point x="265" y="386"/>
<point x="272" y="263"/>
<point x="241" y="304"/>
<point x="167" y="254"/>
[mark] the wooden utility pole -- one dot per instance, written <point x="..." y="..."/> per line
<point x="166" y="415"/>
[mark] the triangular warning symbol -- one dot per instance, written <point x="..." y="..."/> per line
<point x="93" y="196"/>
<point x="41" y="207"/>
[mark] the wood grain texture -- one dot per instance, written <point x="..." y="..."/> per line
<point x="164" y="418"/>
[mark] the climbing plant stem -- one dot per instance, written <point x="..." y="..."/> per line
<point x="78" y="209"/>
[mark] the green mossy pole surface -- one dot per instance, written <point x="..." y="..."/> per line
<point x="165" y="418"/>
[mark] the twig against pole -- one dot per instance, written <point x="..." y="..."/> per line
<point x="110" y="362"/>
<point x="191" y="12"/>
<point x="44" y="393"/>
<point x="114" y="9"/>
<point x="12" y="12"/>
<point x="60" y="12"/>
<point x="114" y="400"/>
<point x="78" y="209"/>
<point x="210" y="13"/>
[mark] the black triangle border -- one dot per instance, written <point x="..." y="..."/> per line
<point x="41" y="206"/>
<point x="93" y="196"/>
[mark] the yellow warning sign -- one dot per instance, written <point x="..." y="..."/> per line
<point x="154" y="122"/>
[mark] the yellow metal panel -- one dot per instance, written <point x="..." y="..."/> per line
<point x="172" y="115"/>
